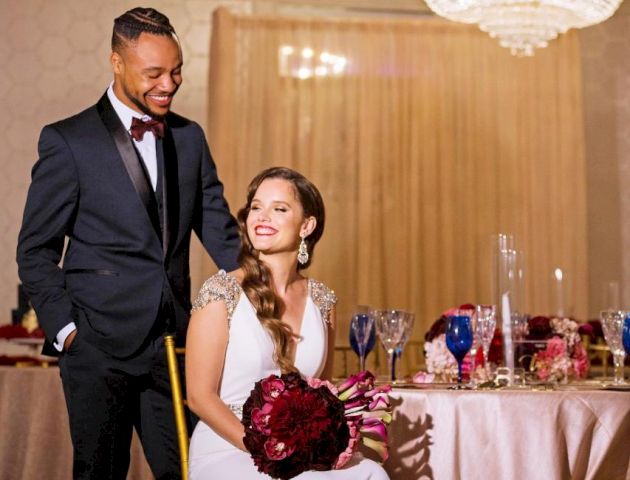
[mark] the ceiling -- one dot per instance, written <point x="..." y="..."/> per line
<point x="344" y="7"/>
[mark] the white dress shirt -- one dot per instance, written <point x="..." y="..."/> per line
<point x="146" y="147"/>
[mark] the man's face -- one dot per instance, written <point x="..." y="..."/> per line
<point x="147" y="73"/>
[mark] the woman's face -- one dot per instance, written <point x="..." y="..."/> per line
<point x="276" y="217"/>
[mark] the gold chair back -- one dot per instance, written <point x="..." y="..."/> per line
<point x="178" y="401"/>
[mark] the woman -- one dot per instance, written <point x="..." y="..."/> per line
<point x="261" y="319"/>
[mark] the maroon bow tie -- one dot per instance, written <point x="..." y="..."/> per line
<point x="140" y="127"/>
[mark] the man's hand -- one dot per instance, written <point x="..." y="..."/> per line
<point x="69" y="340"/>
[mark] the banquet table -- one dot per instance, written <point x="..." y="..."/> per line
<point x="568" y="433"/>
<point x="35" y="440"/>
<point x="436" y="433"/>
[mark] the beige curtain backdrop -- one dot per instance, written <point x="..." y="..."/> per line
<point x="431" y="140"/>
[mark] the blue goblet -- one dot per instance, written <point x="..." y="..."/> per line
<point x="626" y="335"/>
<point x="459" y="340"/>
<point x="362" y="336"/>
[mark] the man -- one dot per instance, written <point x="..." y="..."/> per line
<point x="126" y="181"/>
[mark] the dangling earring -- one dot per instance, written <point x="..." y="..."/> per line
<point x="302" y="252"/>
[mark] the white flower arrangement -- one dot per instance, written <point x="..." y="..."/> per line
<point x="439" y="360"/>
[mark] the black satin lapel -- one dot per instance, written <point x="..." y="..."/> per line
<point x="170" y="189"/>
<point x="130" y="158"/>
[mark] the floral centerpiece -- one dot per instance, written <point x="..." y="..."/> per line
<point x="555" y="349"/>
<point x="551" y="348"/>
<point x="440" y="362"/>
<point x="294" y="424"/>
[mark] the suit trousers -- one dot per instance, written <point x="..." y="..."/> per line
<point x="108" y="397"/>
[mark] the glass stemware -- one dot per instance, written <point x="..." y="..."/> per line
<point x="476" y="343"/>
<point x="390" y="327"/>
<point x="613" y="324"/>
<point x="486" y="324"/>
<point x="459" y="339"/>
<point x="362" y="335"/>
<point x="626" y="334"/>
<point x="409" y="321"/>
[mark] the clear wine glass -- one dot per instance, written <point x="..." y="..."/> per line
<point x="362" y="335"/>
<point x="390" y="327"/>
<point x="409" y="321"/>
<point x="486" y="323"/>
<point x="613" y="324"/>
<point x="476" y="343"/>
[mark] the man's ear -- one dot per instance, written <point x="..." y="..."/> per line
<point x="118" y="66"/>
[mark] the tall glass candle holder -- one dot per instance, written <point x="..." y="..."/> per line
<point x="507" y="291"/>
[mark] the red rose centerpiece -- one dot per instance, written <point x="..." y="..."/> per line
<point x="293" y="425"/>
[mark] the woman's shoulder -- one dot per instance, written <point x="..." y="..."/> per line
<point x="323" y="296"/>
<point x="221" y="286"/>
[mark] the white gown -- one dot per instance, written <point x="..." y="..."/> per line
<point x="249" y="358"/>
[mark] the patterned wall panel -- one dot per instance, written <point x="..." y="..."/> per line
<point x="55" y="56"/>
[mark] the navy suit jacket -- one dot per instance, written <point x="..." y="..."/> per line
<point x="88" y="185"/>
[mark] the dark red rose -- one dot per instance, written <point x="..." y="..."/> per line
<point x="293" y="380"/>
<point x="598" y="332"/>
<point x="539" y="328"/>
<point x="438" y="328"/>
<point x="586" y="329"/>
<point x="289" y="410"/>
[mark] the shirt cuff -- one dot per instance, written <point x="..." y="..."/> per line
<point x="63" y="334"/>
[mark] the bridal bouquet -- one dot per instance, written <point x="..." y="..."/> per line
<point x="294" y="424"/>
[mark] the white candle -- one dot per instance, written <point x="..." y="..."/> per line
<point x="508" y="349"/>
<point x="559" y="292"/>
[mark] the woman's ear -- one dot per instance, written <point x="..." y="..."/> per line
<point x="308" y="226"/>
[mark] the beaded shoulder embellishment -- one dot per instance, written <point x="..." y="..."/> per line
<point x="323" y="297"/>
<point x="219" y="287"/>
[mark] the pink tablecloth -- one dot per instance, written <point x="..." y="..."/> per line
<point x="34" y="436"/>
<point x="446" y="434"/>
<point x="436" y="434"/>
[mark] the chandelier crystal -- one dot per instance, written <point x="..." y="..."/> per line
<point x="524" y="25"/>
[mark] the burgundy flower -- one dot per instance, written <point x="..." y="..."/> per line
<point x="539" y="328"/>
<point x="301" y="428"/>
<point x="437" y="329"/>
<point x="586" y="329"/>
<point x="260" y="418"/>
<point x="291" y="408"/>
<point x="598" y="332"/>
<point x="272" y="387"/>
<point x="278" y="450"/>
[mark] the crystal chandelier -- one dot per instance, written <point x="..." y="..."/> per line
<point x="523" y="25"/>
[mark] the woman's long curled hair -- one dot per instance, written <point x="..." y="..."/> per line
<point x="257" y="281"/>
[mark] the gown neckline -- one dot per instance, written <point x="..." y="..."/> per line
<point x="299" y="335"/>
